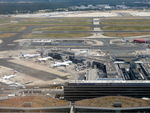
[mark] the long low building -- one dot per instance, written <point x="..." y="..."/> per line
<point x="78" y="90"/>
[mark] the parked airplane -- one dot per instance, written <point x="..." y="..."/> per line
<point x="8" y="77"/>
<point x="29" y="55"/>
<point x="119" y="62"/>
<point x="66" y="63"/>
<point x="44" y="59"/>
<point x="123" y="62"/>
<point x="81" y="52"/>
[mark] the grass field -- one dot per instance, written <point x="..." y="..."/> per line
<point x="63" y="21"/>
<point x="12" y="28"/>
<point x="46" y="24"/>
<point x="57" y="21"/>
<point x="126" y="25"/>
<point x="108" y="101"/>
<point x="64" y="28"/>
<point x="122" y="21"/>
<point x="4" y="20"/>
<point x="37" y="101"/>
<point x="127" y="28"/>
<point x="6" y="35"/>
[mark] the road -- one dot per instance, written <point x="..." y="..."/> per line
<point x="9" y="44"/>
<point x="112" y="49"/>
<point x="111" y="31"/>
<point x="6" y="41"/>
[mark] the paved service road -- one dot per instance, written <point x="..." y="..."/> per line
<point x="6" y="41"/>
<point x="92" y="31"/>
<point x="30" y="71"/>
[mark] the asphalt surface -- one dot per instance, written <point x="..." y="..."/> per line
<point x="9" y="44"/>
<point x="42" y="75"/>
<point x="111" y="31"/>
<point x="7" y="41"/>
<point x="111" y="49"/>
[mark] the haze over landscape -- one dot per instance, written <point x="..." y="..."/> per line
<point x="24" y="6"/>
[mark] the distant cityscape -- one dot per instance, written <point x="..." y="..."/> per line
<point x="32" y="6"/>
<point x="99" y="6"/>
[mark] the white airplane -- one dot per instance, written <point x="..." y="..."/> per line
<point x="119" y="62"/>
<point x="66" y="63"/>
<point x="122" y="62"/>
<point x="30" y="55"/>
<point x="81" y="52"/>
<point x="8" y="77"/>
<point x="44" y="41"/>
<point x="44" y="59"/>
<point x="138" y="62"/>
